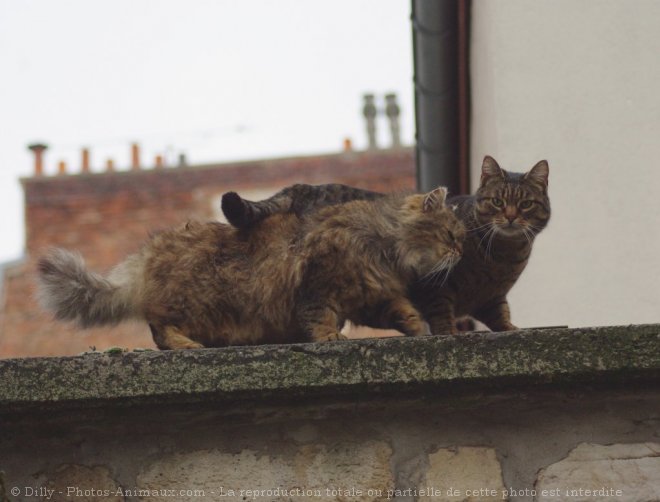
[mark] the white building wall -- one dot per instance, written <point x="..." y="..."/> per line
<point x="577" y="82"/>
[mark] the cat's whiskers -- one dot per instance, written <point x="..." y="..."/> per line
<point x="448" y="265"/>
<point x="444" y="276"/>
<point x="490" y="229"/>
<point x="490" y="242"/>
<point x="445" y="264"/>
<point x="476" y="229"/>
<point x="534" y="229"/>
<point x="439" y="266"/>
<point x="529" y="235"/>
<point x="489" y="236"/>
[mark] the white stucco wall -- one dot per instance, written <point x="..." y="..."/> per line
<point x="577" y="82"/>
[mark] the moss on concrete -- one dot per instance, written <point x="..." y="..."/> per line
<point x="479" y="360"/>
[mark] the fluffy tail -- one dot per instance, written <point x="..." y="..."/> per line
<point x="73" y="293"/>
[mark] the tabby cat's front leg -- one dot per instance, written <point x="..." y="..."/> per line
<point x="404" y="317"/>
<point x="320" y="322"/>
<point x="439" y="313"/>
<point x="496" y="315"/>
<point x="172" y="338"/>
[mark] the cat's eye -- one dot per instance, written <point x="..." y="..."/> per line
<point x="525" y="204"/>
<point x="497" y="202"/>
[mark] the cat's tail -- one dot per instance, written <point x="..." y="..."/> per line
<point x="73" y="293"/>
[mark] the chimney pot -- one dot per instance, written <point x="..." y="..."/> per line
<point x="183" y="162"/>
<point x="348" y="145"/>
<point x="85" y="160"/>
<point x="393" y="111"/>
<point x="135" y="156"/>
<point x="61" y="168"/>
<point x="38" y="150"/>
<point x="369" y="111"/>
<point x="159" y="161"/>
<point x="109" y="165"/>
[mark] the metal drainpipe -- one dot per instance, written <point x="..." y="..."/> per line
<point x="441" y="93"/>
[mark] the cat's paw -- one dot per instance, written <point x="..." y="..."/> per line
<point x="465" y="324"/>
<point x="445" y="329"/>
<point x="332" y="337"/>
<point x="506" y="326"/>
<point x="418" y="328"/>
<point x="421" y="329"/>
<point x="181" y="345"/>
<point x="189" y="345"/>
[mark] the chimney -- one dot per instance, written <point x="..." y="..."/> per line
<point x="369" y="111"/>
<point x="183" y="162"/>
<point x="109" y="165"/>
<point x="392" y="111"/>
<point x="61" y="168"/>
<point x="38" y="150"/>
<point x="85" y="160"/>
<point x="135" y="156"/>
<point x="348" y="145"/>
<point x="159" y="161"/>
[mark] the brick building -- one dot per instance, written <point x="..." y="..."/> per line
<point x="106" y="216"/>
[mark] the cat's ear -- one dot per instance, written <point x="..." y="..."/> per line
<point x="539" y="173"/>
<point x="434" y="199"/>
<point x="489" y="169"/>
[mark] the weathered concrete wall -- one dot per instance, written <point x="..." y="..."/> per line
<point x="479" y="417"/>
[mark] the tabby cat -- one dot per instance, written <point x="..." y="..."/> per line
<point x="502" y="218"/>
<point x="285" y="280"/>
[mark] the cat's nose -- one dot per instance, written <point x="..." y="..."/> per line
<point x="458" y="248"/>
<point x="510" y="213"/>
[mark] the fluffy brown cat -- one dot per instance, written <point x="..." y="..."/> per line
<point x="285" y="280"/>
<point x="503" y="217"/>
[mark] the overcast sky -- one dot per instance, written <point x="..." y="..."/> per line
<point x="218" y="80"/>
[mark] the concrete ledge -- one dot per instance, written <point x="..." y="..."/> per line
<point x="483" y="361"/>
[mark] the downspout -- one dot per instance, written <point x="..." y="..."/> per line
<point x="440" y="50"/>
